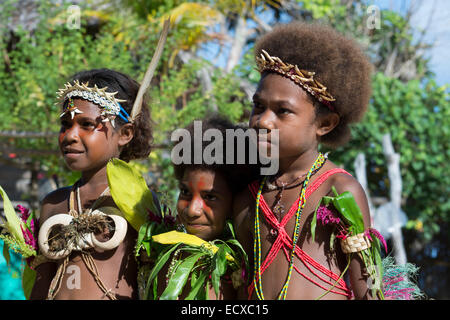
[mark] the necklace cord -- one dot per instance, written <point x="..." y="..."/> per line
<point x="319" y="162"/>
<point x="87" y="258"/>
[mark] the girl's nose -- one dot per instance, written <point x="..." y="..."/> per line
<point x="71" y="134"/>
<point x="195" y="208"/>
<point x="265" y="120"/>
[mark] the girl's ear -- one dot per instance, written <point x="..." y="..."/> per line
<point x="326" y="123"/>
<point x="126" y="133"/>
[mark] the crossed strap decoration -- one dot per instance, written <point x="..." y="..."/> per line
<point x="284" y="242"/>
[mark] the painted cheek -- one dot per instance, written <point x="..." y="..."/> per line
<point x="200" y="186"/>
<point x="197" y="200"/>
<point x="207" y="208"/>
<point x="67" y="134"/>
<point x="74" y="130"/>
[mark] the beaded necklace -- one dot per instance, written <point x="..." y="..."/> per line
<point x="257" y="242"/>
<point x="278" y="208"/>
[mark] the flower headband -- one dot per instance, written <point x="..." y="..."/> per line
<point x="301" y="77"/>
<point x="105" y="100"/>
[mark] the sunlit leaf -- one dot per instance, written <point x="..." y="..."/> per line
<point x="13" y="222"/>
<point x="130" y="192"/>
<point x="179" y="278"/>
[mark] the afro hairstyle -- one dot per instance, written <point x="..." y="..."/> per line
<point x="338" y="63"/>
<point x="237" y="175"/>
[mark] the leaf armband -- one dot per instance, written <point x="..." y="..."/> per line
<point x="343" y="213"/>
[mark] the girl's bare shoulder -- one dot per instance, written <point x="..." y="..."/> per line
<point x="345" y="182"/>
<point x="342" y="181"/>
<point x="55" y="202"/>
<point x="242" y="203"/>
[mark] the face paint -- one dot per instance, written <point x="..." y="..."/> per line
<point x="204" y="203"/>
<point x="85" y="142"/>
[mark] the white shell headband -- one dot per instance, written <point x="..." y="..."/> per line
<point x="105" y="100"/>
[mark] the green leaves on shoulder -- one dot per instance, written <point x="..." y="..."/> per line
<point x="204" y="263"/>
<point x="345" y="203"/>
<point x="130" y="193"/>
<point x="349" y="210"/>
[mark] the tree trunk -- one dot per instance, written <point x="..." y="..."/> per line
<point x="204" y="75"/>
<point x="238" y="43"/>
<point x="361" y="176"/>
<point x="395" y="179"/>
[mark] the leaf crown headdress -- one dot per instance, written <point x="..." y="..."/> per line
<point x="305" y="79"/>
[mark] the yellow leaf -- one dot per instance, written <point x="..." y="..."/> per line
<point x="193" y="14"/>
<point x="130" y="192"/>
<point x="174" y="237"/>
<point x="13" y="222"/>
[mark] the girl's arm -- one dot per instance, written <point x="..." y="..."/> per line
<point x="360" y="282"/>
<point x="46" y="271"/>
<point x="44" y="276"/>
<point x="242" y="222"/>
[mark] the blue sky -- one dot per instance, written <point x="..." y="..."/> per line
<point x="438" y="30"/>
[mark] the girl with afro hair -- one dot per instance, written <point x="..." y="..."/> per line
<point x="314" y="83"/>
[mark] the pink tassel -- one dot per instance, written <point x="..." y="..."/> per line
<point x="376" y="234"/>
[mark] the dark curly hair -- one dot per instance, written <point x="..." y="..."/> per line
<point x="237" y="176"/>
<point x="127" y="88"/>
<point x="338" y="63"/>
